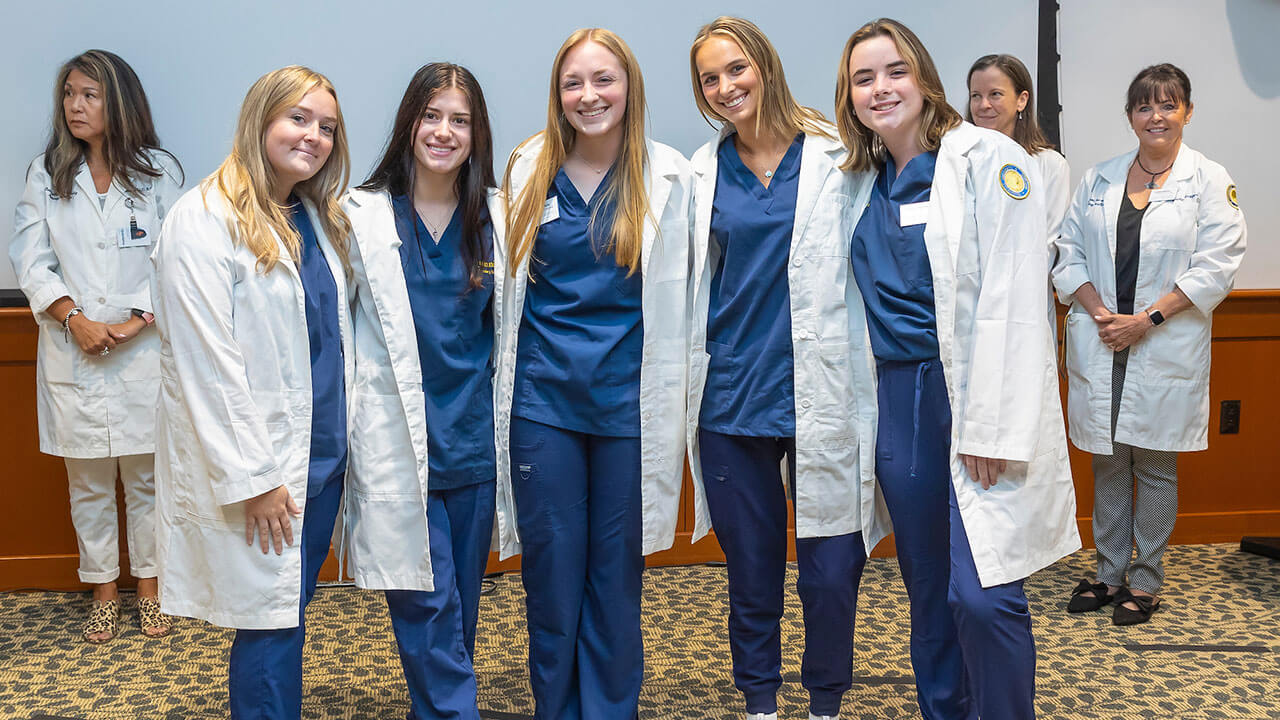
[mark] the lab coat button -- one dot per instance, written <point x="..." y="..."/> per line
<point x="102" y="246"/>
<point x="102" y="301"/>
<point x="805" y="403"/>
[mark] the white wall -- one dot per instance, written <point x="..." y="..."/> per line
<point x="1229" y="49"/>
<point x="197" y="59"/>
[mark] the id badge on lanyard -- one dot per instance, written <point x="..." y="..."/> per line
<point x="132" y="236"/>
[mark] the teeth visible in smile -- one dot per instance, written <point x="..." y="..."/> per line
<point x="593" y="113"/>
<point x="736" y="101"/>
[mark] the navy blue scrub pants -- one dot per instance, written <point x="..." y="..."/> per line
<point x="971" y="647"/>
<point x="578" y="510"/>
<point x="743" y="481"/>
<point x="435" y="631"/>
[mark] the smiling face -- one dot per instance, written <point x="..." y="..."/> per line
<point x="728" y="80"/>
<point x="299" y="140"/>
<point x="442" y="141"/>
<point x="882" y="91"/>
<point x="993" y="103"/>
<point x="593" y="90"/>
<point x="1158" y="124"/>
<point x="83" y="107"/>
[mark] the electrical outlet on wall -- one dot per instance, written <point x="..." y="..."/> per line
<point x="1229" y="420"/>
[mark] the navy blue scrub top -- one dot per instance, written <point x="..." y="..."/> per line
<point x="328" y="384"/>
<point x="891" y="265"/>
<point x="578" y="357"/>
<point x="454" y="327"/>
<point x="750" y="388"/>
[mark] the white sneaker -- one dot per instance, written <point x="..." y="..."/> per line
<point x="762" y="716"/>
<point x="823" y="717"/>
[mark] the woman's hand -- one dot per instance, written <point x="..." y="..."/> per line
<point x="1121" y="331"/>
<point x="127" y="330"/>
<point x="93" y="337"/>
<point x="983" y="470"/>
<point x="268" y="515"/>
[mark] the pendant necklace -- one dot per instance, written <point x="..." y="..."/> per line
<point x="1152" y="184"/>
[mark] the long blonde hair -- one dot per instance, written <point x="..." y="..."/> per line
<point x="245" y="178"/>
<point x="866" y="149"/>
<point x="627" y="190"/>
<point x="779" y="113"/>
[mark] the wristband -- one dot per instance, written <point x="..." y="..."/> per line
<point x="66" y="321"/>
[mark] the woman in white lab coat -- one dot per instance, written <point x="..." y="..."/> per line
<point x="88" y="217"/>
<point x="591" y="375"/>
<point x="780" y="370"/>
<point x="1001" y="98"/>
<point x="1149" y="248"/>
<point x="256" y="364"/>
<point x="971" y="455"/>
<point x="427" y="272"/>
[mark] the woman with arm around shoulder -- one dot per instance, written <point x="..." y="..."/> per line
<point x="1149" y="248"/>
<point x="256" y="361"/>
<point x="777" y="358"/>
<point x="425" y="271"/>
<point x="88" y="218"/>
<point x="1001" y="98"/>
<point x="591" y="375"/>
<point x="971" y="455"/>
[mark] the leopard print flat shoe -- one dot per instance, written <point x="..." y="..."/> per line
<point x="153" y="623"/>
<point x="104" y="616"/>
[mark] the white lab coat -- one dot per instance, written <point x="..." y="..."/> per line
<point x="989" y="259"/>
<point x="1193" y="237"/>
<point x="835" y="391"/>
<point x="91" y="406"/>
<point x="1055" y="177"/>
<point x="389" y="437"/>
<point x="664" y="264"/>
<point x="234" y="416"/>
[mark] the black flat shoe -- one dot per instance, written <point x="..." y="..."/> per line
<point x="1124" y="616"/>
<point x="1088" y="603"/>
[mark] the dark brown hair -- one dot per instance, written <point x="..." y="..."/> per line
<point x="1158" y="82"/>
<point x="1026" y="128"/>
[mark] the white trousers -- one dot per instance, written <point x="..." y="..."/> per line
<point x="92" y="483"/>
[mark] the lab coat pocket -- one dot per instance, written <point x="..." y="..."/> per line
<point x="1170" y="225"/>
<point x="828" y="233"/>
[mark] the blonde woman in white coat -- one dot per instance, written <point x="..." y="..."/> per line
<point x="971" y="455"/>
<point x="1150" y="247"/>
<point x="780" y="370"/>
<point x="88" y="217"/>
<point x="591" y="376"/>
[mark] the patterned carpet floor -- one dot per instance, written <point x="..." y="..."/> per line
<point x="1212" y="651"/>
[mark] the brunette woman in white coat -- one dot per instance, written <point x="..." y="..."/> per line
<point x="591" y="376"/>
<point x="89" y="215"/>
<point x="1150" y="247"/>
<point x="971" y="455"/>
<point x="779" y="365"/>
<point x="426" y="276"/>
<point x="256" y="362"/>
<point x="1001" y="98"/>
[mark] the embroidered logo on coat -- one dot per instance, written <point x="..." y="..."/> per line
<point x="1014" y="182"/>
<point x="1231" y="197"/>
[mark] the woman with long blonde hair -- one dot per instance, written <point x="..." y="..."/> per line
<point x="777" y="363"/>
<point x="590" y="397"/>
<point x="257" y="363"/>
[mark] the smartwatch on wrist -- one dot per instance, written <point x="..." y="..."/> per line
<point x="1156" y="316"/>
<point x="147" y="317"/>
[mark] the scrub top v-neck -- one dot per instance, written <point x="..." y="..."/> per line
<point x="328" y="383"/>
<point x="580" y="340"/>
<point x="891" y="263"/>
<point x="453" y="322"/>
<point x="750" y="388"/>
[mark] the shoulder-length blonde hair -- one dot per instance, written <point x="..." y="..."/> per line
<point x="779" y="114"/>
<point x="129" y="134"/>
<point x="246" y="179"/>
<point x="866" y="149"/>
<point x="627" y="190"/>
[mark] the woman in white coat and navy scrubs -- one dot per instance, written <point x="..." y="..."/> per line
<point x="971" y="454"/>
<point x="591" y="377"/>
<point x="1150" y="247"/>
<point x="422" y="259"/>
<point x="256" y="367"/>
<point x="88" y="217"/>
<point x="778" y="359"/>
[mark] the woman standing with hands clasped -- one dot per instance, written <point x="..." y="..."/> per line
<point x="779" y="366"/>
<point x="86" y="223"/>
<point x="591" y="375"/>
<point x="971" y="456"/>
<point x="1150" y="246"/>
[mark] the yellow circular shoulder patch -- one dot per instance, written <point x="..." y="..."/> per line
<point x="1231" y="197"/>
<point x="1014" y="182"/>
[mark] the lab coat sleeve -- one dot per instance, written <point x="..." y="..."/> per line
<point x="1057" y="184"/>
<point x="1071" y="269"/>
<point x="34" y="262"/>
<point x="195" y="279"/>
<point x="1220" y="243"/>
<point x="1010" y="345"/>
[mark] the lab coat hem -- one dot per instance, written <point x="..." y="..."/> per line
<point x="1069" y="544"/>
<point x="381" y="581"/>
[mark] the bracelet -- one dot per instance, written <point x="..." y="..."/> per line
<point x="66" y="321"/>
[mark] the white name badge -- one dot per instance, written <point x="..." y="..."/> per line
<point x="126" y="238"/>
<point x="550" y="211"/>
<point x="913" y="213"/>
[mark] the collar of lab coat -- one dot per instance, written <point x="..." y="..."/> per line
<point x="1116" y="170"/>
